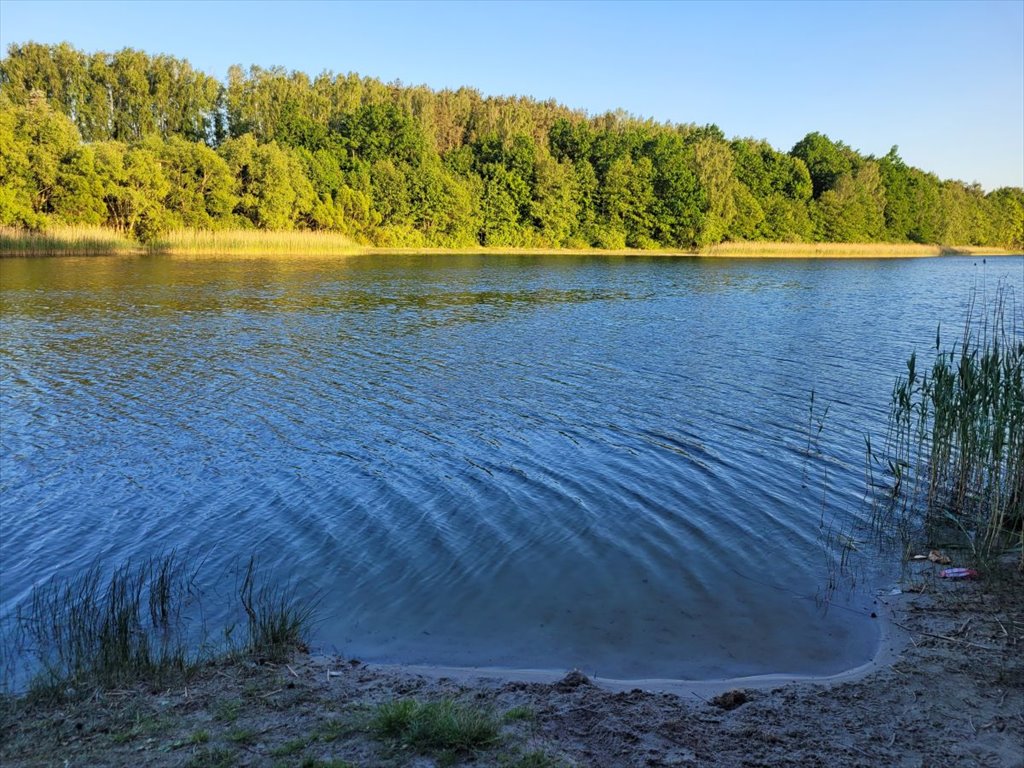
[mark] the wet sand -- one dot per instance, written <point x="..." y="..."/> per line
<point x="946" y="688"/>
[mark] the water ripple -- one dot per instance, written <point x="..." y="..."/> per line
<point x="533" y="462"/>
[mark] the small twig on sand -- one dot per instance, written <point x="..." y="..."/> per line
<point x="858" y="749"/>
<point x="294" y="673"/>
<point x="271" y="693"/>
<point x="946" y="637"/>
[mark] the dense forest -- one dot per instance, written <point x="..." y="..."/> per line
<point x="144" y="144"/>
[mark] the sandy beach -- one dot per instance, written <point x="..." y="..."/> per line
<point x="946" y="688"/>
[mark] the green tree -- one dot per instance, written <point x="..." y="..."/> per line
<point x="44" y="168"/>
<point x="854" y="210"/>
<point x="1006" y="208"/>
<point x="500" y="209"/>
<point x="126" y="95"/>
<point x="446" y="210"/>
<point x="714" y="168"/>
<point x="827" y="161"/>
<point x="899" y="203"/>
<point x="677" y="195"/>
<point x="626" y="203"/>
<point x="199" y="183"/>
<point x="133" y="185"/>
<point x="270" y="185"/>
<point x="554" y="208"/>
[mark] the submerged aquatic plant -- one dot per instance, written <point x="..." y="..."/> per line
<point x="955" y="444"/>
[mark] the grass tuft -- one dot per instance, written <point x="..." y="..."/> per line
<point x="520" y="713"/>
<point x="241" y="736"/>
<point x="214" y="758"/>
<point x="278" y="623"/>
<point x="436" y="726"/>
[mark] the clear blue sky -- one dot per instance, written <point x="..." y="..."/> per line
<point x="943" y="80"/>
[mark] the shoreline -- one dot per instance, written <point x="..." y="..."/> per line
<point x="891" y="643"/>
<point x="946" y="687"/>
<point x="96" y="241"/>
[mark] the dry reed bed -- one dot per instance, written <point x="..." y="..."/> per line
<point x="78" y="240"/>
<point x="240" y="242"/>
<point x="822" y="250"/>
<point x="85" y="240"/>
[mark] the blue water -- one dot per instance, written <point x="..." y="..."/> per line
<point x="537" y="462"/>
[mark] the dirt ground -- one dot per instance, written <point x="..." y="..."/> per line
<point x="952" y="696"/>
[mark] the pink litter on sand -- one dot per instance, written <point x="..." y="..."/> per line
<point x="959" y="573"/>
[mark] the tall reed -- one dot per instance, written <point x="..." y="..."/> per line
<point x="762" y="248"/>
<point x="96" y="631"/>
<point x="65" y="240"/>
<point x="955" y="442"/>
<point x="136" y="625"/>
<point x="252" y="242"/>
<point x="277" y="621"/>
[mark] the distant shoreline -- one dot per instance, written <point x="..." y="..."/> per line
<point x="97" y="241"/>
<point x="744" y="250"/>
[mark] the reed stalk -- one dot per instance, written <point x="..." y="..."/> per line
<point x="58" y="240"/>
<point x="251" y="242"/>
<point x="134" y="626"/>
<point x="954" y="448"/>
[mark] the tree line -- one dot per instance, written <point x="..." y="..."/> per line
<point x="145" y="143"/>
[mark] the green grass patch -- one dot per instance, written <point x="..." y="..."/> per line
<point x="517" y="714"/>
<point x="332" y="730"/>
<point x="436" y="726"/>
<point x="243" y="736"/>
<point x="228" y="711"/>
<point x="218" y="757"/>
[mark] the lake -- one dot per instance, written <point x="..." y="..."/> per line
<point x="518" y="461"/>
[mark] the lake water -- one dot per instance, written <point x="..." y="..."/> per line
<point x="539" y="462"/>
